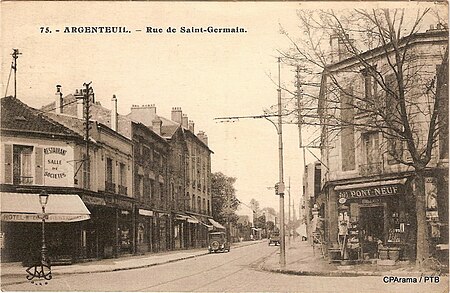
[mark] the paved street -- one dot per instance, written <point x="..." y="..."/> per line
<point x="237" y="271"/>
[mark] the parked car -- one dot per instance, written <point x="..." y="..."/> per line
<point x="218" y="242"/>
<point x="274" y="238"/>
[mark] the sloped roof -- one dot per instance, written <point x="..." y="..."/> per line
<point x="17" y="116"/>
<point x="71" y="122"/>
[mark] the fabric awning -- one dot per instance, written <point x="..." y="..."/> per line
<point x="193" y="220"/>
<point x="181" y="217"/>
<point x="216" y="224"/>
<point x="371" y="184"/>
<point x="25" y="207"/>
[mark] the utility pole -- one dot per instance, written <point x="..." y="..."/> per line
<point x="301" y="146"/>
<point x="15" y="55"/>
<point x="281" y="176"/>
<point x="279" y="187"/>
<point x="85" y="96"/>
<point x="289" y="211"/>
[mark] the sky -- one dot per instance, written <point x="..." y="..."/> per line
<point x="207" y="75"/>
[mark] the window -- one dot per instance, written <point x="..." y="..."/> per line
<point x="391" y="101"/>
<point x="122" y="179"/>
<point x="140" y="185"/>
<point x="209" y="211"/>
<point x="193" y="202"/>
<point x="22" y="164"/>
<point x="347" y="131"/>
<point x="203" y="205"/>
<point x="109" y="184"/>
<point x="395" y="150"/>
<point x="199" y="203"/>
<point x="370" y="84"/>
<point x="109" y="170"/>
<point x="371" y="153"/>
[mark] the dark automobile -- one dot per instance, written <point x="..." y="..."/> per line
<point x="274" y="238"/>
<point x="218" y="242"/>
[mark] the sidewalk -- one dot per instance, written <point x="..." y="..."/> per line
<point x="14" y="273"/>
<point x="301" y="260"/>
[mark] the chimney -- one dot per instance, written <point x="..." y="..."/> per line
<point x="114" y="123"/>
<point x="191" y="126"/>
<point x="338" y="47"/>
<point x="144" y="114"/>
<point x="58" y="100"/>
<point x="177" y="115"/>
<point x="185" y="121"/>
<point x="156" y="125"/>
<point x="80" y="103"/>
<point x="203" y="137"/>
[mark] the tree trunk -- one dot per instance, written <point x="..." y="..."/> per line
<point x="422" y="246"/>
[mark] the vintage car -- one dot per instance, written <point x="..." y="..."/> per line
<point x="274" y="238"/>
<point x="218" y="242"/>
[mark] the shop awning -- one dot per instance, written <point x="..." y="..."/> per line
<point x="181" y="217"/>
<point x="370" y="184"/>
<point x="25" y="207"/>
<point x="193" y="220"/>
<point x="216" y="224"/>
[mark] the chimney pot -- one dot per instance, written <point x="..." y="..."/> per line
<point x="114" y="122"/>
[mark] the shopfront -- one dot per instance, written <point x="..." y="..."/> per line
<point x="21" y="219"/>
<point x="372" y="218"/>
<point x="145" y="231"/>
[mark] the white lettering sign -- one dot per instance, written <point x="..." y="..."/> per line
<point x="56" y="166"/>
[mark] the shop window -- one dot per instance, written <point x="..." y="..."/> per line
<point x="22" y="164"/>
<point x="140" y="234"/>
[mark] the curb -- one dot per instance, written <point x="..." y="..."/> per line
<point x="116" y="269"/>
<point x="345" y="273"/>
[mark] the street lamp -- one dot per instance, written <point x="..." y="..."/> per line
<point x="43" y="199"/>
<point x="43" y="270"/>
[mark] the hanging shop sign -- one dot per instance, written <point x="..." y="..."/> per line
<point x="145" y="213"/>
<point x="374" y="191"/>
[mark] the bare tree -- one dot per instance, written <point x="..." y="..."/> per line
<point x="376" y="79"/>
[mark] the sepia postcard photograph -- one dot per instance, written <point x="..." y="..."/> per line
<point x="216" y="146"/>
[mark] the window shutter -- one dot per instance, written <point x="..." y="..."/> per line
<point x="8" y="163"/>
<point x="39" y="166"/>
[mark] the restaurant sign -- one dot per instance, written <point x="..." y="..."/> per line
<point x="373" y="191"/>
<point x="57" y="169"/>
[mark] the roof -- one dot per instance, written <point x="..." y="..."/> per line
<point x="17" y="116"/>
<point x="429" y="36"/>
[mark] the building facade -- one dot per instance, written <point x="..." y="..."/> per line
<point x="368" y="184"/>
<point x="38" y="154"/>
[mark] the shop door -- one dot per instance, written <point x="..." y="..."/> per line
<point x="372" y="222"/>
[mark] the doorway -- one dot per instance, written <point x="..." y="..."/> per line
<point x="372" y="222"/>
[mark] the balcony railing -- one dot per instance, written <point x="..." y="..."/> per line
<point x="371" y="169"/>
<point x="23" y="180"/>
<point x="110" y="187"/>
<point x="123" y="190"/>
